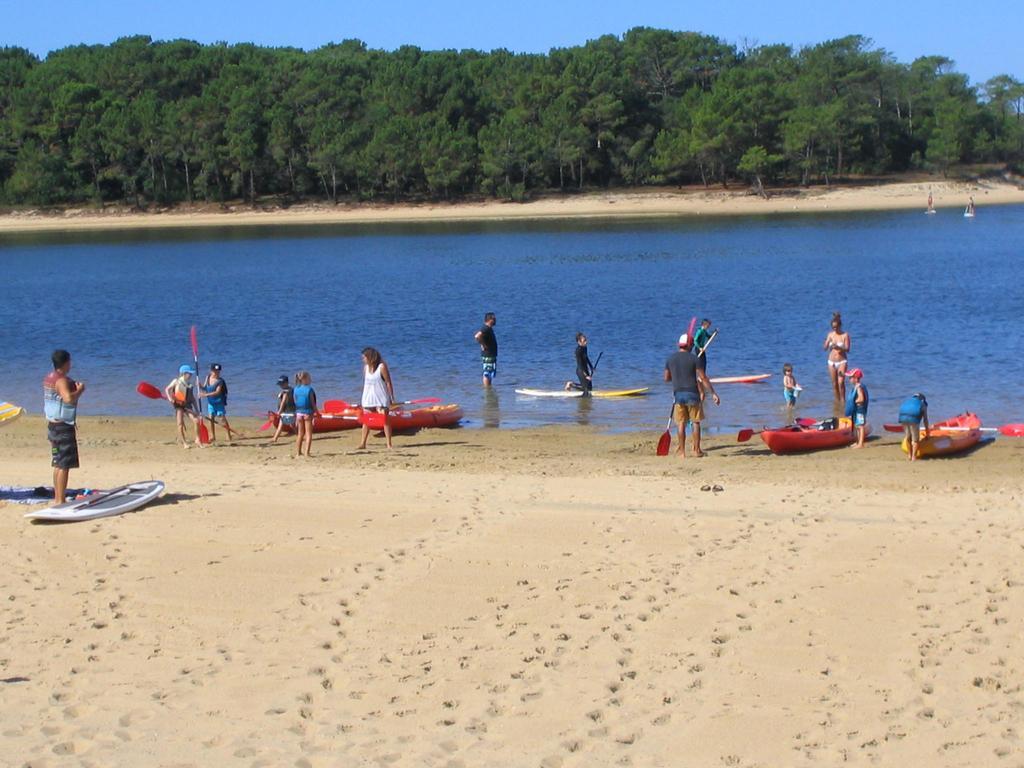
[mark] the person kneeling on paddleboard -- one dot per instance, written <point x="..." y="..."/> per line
<point x="584" y="368"/>
<point x="181" y="394"/>
<point x="684" y="370"/>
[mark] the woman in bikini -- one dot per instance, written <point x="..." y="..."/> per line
<point x="838" y="345"/>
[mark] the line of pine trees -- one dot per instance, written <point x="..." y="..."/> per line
<point x="168" y="122"/>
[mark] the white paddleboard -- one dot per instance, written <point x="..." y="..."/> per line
<point x="579" y="392"/>
<point x="931" y="211"/>
<point x="9" y="412"/>
<point x="113" y="502"/>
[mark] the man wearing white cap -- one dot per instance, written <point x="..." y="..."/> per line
<point x="684" y="370"/>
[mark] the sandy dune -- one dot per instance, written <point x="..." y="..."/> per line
<point x="550" y="597"/>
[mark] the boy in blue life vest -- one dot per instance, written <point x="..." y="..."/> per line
<point x="857" y="406"/>
<point x="913" y="411"/>
<point x="215" y="390"/>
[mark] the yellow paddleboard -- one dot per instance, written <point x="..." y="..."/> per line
<point x="9" y="412"/>
<point x="619" y="392"/>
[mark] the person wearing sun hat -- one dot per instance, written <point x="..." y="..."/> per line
<point x="685" y="371"/>
<point x="181" y="395"/>
<point x="857" y="406"/>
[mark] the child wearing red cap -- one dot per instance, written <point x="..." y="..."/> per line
<point x="857" y="406"/>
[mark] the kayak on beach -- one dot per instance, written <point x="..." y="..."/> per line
<point x="579" y="392"/>
<point x="752" y="379"/>
<point x="103" y="504"/>
<point x="802" y="438"/>
<point x="325" y="422"/>
<point x="419" y="418"/>
<point x="950" y="436"/>
<point x="9" y="412"/>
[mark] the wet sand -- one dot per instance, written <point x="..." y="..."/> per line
<point x="647" y="203"/>
<point x="549" y="597"/>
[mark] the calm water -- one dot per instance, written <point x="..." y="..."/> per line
<point x="933" y="303"/>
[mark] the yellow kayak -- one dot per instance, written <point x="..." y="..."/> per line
<point x="9" y="412"/>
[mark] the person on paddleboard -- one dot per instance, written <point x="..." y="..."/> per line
<point x="305" y="412"/>
<point x="913" y="411"/>
<point x="701" y="339"/>
<point x="285" y="406"/>
<point x="686" y="373"/>
<point x="584" y="367"/>
<point x="837" y="342"/>
<point x="215" y="390"/>
<point x="488" y="348"/>
<point x="181" y="394"/>
<point x="60" y="407"/>
<point x="931" y="203"/>
<point x="857" y="406"/>
<point x="378" y="392"/>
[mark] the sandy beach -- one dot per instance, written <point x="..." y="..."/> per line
<point x="666" y="202"/>
<point x="550" y="597"/>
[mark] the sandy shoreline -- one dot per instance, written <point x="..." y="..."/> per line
<point x="625" y="204"/>
<point x="550" y="597"/>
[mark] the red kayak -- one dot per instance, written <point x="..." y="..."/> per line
<point x="799" y="438"/>
<point x="326" y="422"/>
<point x="419" y="418"/>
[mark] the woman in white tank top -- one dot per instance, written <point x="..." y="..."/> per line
<point x="378" y="391"/>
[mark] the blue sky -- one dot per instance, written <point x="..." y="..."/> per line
<point x="984" y="38"/>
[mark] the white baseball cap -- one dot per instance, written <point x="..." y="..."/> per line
<point x="684" y="340"/>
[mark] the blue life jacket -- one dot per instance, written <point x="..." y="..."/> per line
<point x="912" y="410"/>
<point x="303" y="395"/>
<point x="217" y="401"/>
<point x="54" y="407"/>
<point x="852" y="406"/>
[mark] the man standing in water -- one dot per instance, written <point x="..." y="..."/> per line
<point x="488" y="348"/>
<point x="60" y="406"/>
<point x="684" y="370"/>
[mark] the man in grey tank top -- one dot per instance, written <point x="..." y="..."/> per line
<point x="686" y="373"/>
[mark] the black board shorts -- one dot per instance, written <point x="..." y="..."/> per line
<point x="63" y="445"/>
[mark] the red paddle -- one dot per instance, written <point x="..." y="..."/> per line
<point x="339" y="406"/>
<point x="665" y="442"/>
<point x="204" y="435"/>
<point x="1009" y="430"/>
<point x="148" y="390"/>
<point x="745" y="434"/>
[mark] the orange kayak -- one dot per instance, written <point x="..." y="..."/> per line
<point x="418" y="418"/>
<point x="801" y="439"/>
<point x="949" y="436"/>
<point x="326" y="422"/>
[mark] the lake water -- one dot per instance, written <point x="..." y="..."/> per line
<point x="932" y="303"/>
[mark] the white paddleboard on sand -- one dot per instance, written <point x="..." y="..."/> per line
<point x="113" y="502"/>
<point x="9" y="412"/>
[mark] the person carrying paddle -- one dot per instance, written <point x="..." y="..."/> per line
<point x="215" y="390"/>
<point x="378" y="392"/>
<point x="181" y="394"/>
<point x="837" y="342"/>
<point x="701" y="339"/>
<point x="686" y="373"/>
<point x="305" y="412"/>
<point x="488" y="348"/>
<point x="913" y="411"/>
<point x="584" y="367"/>
<point x="285" y="406"/>
<point x="60" y="407"/>
<point x="857" y="406"/>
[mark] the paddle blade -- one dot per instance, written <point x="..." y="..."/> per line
<point x="665" y="443"/>
<point x="744" y="435"/>
<point x="421" y="401"/>
<point x="336" y="406"/>
<point x="692" y="327"/>
<point x="195" y="342"/>
<point x="204" y="434"/>
<point x="148" y="390"/>
<point x="1012" y="430"/>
